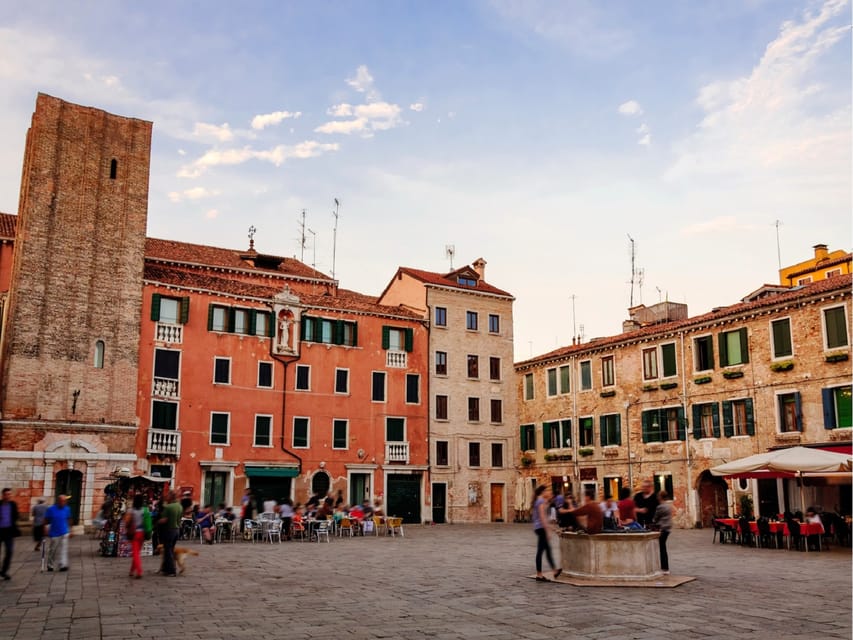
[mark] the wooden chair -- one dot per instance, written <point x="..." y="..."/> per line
<point x="378" y="525"/>
<point x="395" y="526"/>
<point x="345" y="527"/>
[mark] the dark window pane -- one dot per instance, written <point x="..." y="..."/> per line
<point x="166" y="363"/>
<point x="496" y="411"/>
<point x="473" y="409"/>
<point x="164" y="415"/>
<point x="441" y="407"/>
<point x="494" y="368"/>
<point x="265" y="374"/>
<point x="395" y="430"/>
<point x="378" y="394"/>
<point x="222" y="371"/>
<point x="473" y="454"/>
<point x="339" y="434"/>
<point x="219" y="428"/>
<point x="300" y="432"/>
<point x="413" y="388"/>
<point x="342" y="381"/>
<point x="473" y="367"/>
<point x="441" y="458"/>
<point x="263" y="431"/>
<point x="497" y="455"/>
<point x="303" y="373"/>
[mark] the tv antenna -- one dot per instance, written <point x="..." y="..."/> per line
<point x="314" y="245"/>
<point x="449" y="252"/>
<point x="633" y="269"/>
<point x="641" y="275"/>
<point x="574" y="326"/>
<point x="778" y="224"/>
<point x="335" y="236"/>
<point x="302" y="237"/>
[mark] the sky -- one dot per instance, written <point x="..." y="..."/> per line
<point x="539" y="135"/>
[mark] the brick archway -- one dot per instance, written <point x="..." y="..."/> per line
<point x="713" y="500"/>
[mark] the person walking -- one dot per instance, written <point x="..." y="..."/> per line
<point x="646" y="501"/>
<point x="39" y="509"/>
<point x="170" y="521"/>
<point x="541" y="499"/>
<point x="663" y="521"/>
<point x="8" y="529"/>
<point x="57" y="520"/>
<point x="135" y="532"/>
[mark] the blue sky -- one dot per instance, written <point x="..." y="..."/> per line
<point x="533" y="133"/>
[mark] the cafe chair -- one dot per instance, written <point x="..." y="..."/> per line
<point x="322" y="530"/>
<point x="378" y="525"/>
<point x="746" y="537"/>
<point x="395" y="526"/>
<point x="297" y="529"/>
<point x="345" y="528"/>
<point x="726" y="533"/>
<point x="795" y="538"/>
<point x="765" y="536"/>
<point x="274" y="531"/>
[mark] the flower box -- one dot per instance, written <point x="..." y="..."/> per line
<point x="650" y="387"/>
<point x="732" y="375"/>
<point x="586" y="452"/>
<point x="668" y="385"/>
<point x="787" y="365"/>
<point x="837" y="357"/>
<point x="608" y="394"/>
<point x="702" y="380"/>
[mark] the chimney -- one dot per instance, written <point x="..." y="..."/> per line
<point x="820" y="252"/>
<point x="480" y="267"/>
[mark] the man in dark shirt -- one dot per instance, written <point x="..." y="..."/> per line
<point x="592" y="511"/>
<point x="646" y="502"/>
<point x="8" y="529"/>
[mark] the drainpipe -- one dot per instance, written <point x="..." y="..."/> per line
<point x="690" y="499"/>
<point x="285" y="362"/>
<point x="628" y="437"/>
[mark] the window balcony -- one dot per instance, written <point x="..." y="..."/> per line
<point x="396" y="359"/>
<point x="397" y="452"/>
<point x="165" y="388"/>
<point x="169" y="333"/>
<point x="164" y="442"/>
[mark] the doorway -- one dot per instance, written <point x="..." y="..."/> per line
<point x="69" y="482"/>
<point x="497" y="502"/>
<point x="439" y="502"/>
<point x="404" y="497"/>
<point x="359" y="488"/>
<point x="712" y="498"/>
<point x="215" y="483"/>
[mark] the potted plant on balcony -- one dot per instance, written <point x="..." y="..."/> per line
<point x="837" y="356"/>
<point x="586" y="452"/>
<point x="526" y="460"/>
<point x="785" y="365"/>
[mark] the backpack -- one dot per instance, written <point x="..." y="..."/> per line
<point x="147" y="524"/>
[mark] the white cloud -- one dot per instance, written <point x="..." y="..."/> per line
<point x="417" y="106"/>
<point x="720" y="224"/>
<point x="181" y="152"/>
<point x="367" y="118"/>
<point x="630" y="108"/>
<point x="277" y="156"/>
<point x="645" y="138"/>
<point x="220" y="133"/>
<point x="362" y="82"/>
<point x="265" y="120"/>
<point x="194" y="193"/>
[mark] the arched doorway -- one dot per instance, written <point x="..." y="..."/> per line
<point x="712" y="497"/>
<point x="70" y="483"/>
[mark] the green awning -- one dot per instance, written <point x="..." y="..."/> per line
<point x="272" y="472"/>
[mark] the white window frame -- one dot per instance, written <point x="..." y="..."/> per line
<point x="272" y="374"/>
<point x="476" y="320"/>
<point x="548" y="393"/>
<point x="591" y="444"/>
<point x="164" y="464"/>
<point x="479" y="418"/>
<point x="296" y="377"/>
<point x="177" y="414"/>
<point x="346" y="425"/>
<point x="307" y="432"/>
<point x="500" y="369"/>
<point x="654" y="351"/>
<point x="489" y="321"/>
<point x="773" y="355"/>
<point x="177" y="302"/>
<point x="661" y="374"/>
<point x="580" y="376"/>
<point x="210" y="429"/>
<point x="248" y="318"/>
<point x="255" y="431"/>
<point x="228" y="359"/>
<point x="695" y="353"/>
<point x="435" y="317"/>
<point x="532" y="388"/>
<point x="447" y="464"/>
<point x="446" y="418"/>
<point x="612" y="359"/>
<point x="823" y="311"/>
<point x="560" y="379"/>
<point x="777" y="409"/>
<point x="435" y="363"/>
<point x="491" y="417"/>
<point x="345" y="392"/>
<point x="406" y="390"/>
<point x="384" y="387"/>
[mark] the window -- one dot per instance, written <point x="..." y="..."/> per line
<point x="378" y="386"/>
<point x="413" y="388"/>
<point x="494" y="323"/>
<point x="663" y="425"/>
<point x="585" y="432"/>
<point x="320" y="483"/>
<point x="706" y="420"/>
<point x="668" y="362"/>
<point x="441" y="363"/>
<point x="471" y="320"/>
<point x="303" y="377"/>
<point x="738" y="418"/>
<point x="586" y="375"/>
<point x="161" y="471"/>
<point x="263" y="431"/>
<point x="440" y="317"/>
<point x="837" y="407"/>
<point x="806" y="280"/>
<point x="565" y="378"/>
<point x="551" y="382"/>
<point x="557" y="434"/>
<point x="167" y="363"/>
<point x="441" y="407"/>
<point x="663" y="482"/>
<point x="780" y="336"/>
<point x="611" y="429"/>
<point x="835" y="324"/>
<point x="219" y="428"/>
<point x="169" y="310"/>
<point x="528" y="437"/>
<point x="497" y="455"/>
<point x="394" y="339"/>
<point x="328" y="331"/>
<point x="790" y="412"/>
<point x="341" y="380"/>
<point x="494" y="368"/>
<point x="441" y="453"/>
<point x="473" y="409"/>
<point x="339" y="434"/>
<point x="222" y="370"/>
<point x="832" y="273"/>
<point x="734" y="348"/>
<point x="395" y="429"/>
<point x="263" y="323"/>
<point x="466" y="282"/>
<point x="496" y="411"/>
<point x="164" y="415"/>
<point x="703" y="348"/>
<point x="473" y="454"/>
<point x="300" y="433"/>
<point x="607" y="374"/>
<point x="241" y="321"/>
<point x="113" y="169"/>
<point x="650" y="364"/>
<point x="99" y="354"/>
<point x="265" y="375"/>
<point x="217" y="318"/>
<point x="528" y="386"/>
<point x="473" y="366"/>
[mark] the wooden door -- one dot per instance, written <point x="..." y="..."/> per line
<point x="497" y="502"/>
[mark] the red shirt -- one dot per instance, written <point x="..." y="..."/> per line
<point x="627" y="509"/>
<point x="594" y="517"/>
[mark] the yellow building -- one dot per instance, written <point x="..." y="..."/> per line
<point x="823" y="265"/>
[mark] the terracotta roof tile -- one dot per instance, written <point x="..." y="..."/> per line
<point x="445" y="280"/>
<point x="837" y="283"/>
<point x="8" y="222"/>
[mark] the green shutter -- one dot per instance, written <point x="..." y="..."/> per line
<point x="386" y="337"/>
<point x="750" y="417"/>
<point x="253" y="321"/>
<point x="724" y="349"/>
<point x="647" y="426"/>
<point x="338" y="332"/>
<point x="210" y="309"/>
<point x="828" y="396"/>
<point x="728" y="420"/>
<point x="410" y="339"/>
<point x="546" y="435"/>
<point x="521" y="439"/>
<point x="618" y="429"/>
<point x="744" y="346"/>
<point x="799" y="405"/>
<point x="602" y="430"/>
<point x="697" y="421"/>
<point x="185" y="310"/>
<point x="668" y="357"/>
<point x="155" y="307"/>
<point x="355" y="334"/>
<point x="682" y="424"/>
<point x="270" y="325"/>
<point x="303" y="327"/>
<point x="232" y="312"/>
<point x="715" y="411"/>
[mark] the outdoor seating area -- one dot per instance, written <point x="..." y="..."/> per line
<point x="270" y="528"/>
<point x="784" y="532"/>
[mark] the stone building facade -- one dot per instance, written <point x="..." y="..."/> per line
<point x="472" y="421"/>
<point x="671" y="399"/>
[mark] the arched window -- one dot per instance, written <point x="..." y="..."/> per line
<point x="113" y="168"/>
<point x="320" y="483"/>
<point x="99" y="354"/>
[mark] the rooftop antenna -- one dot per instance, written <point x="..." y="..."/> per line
<point x="778" y="249"/>
<point x="574" y="326"/>
<point x="633" y="269"/>
<point x="660" y="294"/>
<point x="335" y="236"/>
<point x="641" y="274"/>
<point x="450" y="251"/>
<point x="302" y="237"/>
<point x="314" y="244"/>
<point x="252" y="232"/>
<point x="581" y="336"/>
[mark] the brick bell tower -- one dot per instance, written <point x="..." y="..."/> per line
<point x="71" y="336"/>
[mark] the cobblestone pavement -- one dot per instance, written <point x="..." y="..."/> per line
<point x="450" y="581"/>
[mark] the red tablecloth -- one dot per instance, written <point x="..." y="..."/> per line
<point x="806" y="529"/>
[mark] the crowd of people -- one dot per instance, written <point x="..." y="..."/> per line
<point x="645" y="510"/>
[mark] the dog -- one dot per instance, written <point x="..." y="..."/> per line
<point x="181" y="554"/>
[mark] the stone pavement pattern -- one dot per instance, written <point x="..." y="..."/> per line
<point x="450" y="581"/>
